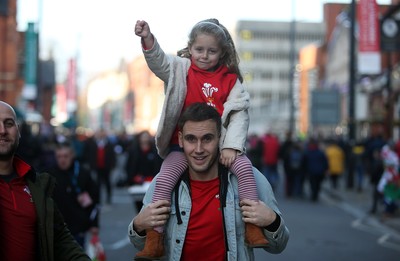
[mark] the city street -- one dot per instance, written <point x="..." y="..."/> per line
<point x="328" y="230"/>
<point x="311" y="87"/>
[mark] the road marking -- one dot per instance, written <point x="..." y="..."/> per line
<point x="360" y="224"/>
<point x="388" y="237"/>
<point x="385" y="241"/>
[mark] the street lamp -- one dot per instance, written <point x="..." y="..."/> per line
<point x="292" y="62"/>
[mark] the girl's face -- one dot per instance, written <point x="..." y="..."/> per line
<point x="205" y="52"/>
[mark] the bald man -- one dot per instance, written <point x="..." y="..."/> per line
<point x="31" y="227"/>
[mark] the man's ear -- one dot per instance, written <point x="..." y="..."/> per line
<point x="180" y="139"/>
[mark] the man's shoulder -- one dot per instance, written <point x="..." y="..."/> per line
<point x="45" y="175"/>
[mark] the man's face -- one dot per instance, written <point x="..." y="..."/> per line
<point x="64" y="157"/>
<point x="200" y="141"/>
<point x="9" y="132"/>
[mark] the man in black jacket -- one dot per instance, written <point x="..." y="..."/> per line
<point x="75" y="193"/>
<point x="99" y="154"/>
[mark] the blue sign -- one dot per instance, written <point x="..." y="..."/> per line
<point x="325" y="107"/>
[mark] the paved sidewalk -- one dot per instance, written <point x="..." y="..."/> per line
<point x="359" y="204"/>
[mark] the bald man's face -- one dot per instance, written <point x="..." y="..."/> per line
<point x="9" y="132"/>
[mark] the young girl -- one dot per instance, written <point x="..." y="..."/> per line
<point x="205" y="71"/>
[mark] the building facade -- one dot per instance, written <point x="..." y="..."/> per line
<point x="265" y="49"/>
<point x="11" y="79"/>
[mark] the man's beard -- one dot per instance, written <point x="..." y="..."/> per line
<point x="8" y="154"/>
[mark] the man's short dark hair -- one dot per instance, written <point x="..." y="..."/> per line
<point x="64" y="145"/>
<point x="200" y="111"/>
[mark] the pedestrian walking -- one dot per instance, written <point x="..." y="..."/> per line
<point x="283" y="157"/>
<point x="100" y="155"/>
<point x="294" y="169"/>
<point x="75" y="193"/>
<point x="271" y="148"/>
<point x="358" y="158"/>
<point x="389" y="183"/>
<point x="254" y="150"/>
<point x="336" y="162"/>
<point x="316" y="166"/>
<point x="376" y="169"/>
<point x="143" y="160"/>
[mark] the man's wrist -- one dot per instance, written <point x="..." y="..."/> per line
<point x="273" y="227"/>
<point x="138" y="231"/>
<point x="148" y="42"/>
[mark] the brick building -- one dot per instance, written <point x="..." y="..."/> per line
<point x="11" y="44"/>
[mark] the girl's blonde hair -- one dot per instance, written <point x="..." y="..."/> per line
<point x="212" y="26"/>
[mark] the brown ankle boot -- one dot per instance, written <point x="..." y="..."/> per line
<point x="153" y="248"/>
<point x="254" y="236"/>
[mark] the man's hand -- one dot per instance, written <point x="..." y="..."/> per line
<point x="142" y="29"/>
<point x="228" y="156"/>
<point x="154" y="215"/>
<point x="257" y="213"/>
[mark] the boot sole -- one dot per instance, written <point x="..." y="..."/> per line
<point x="258" y="246"/>
<point x="143" y="258"/>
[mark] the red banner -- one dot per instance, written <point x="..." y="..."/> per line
<point x="71" y="80"/>
<point x="61" y="102"/>
<point x="368" y="21"/>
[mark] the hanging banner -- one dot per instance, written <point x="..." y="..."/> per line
<point x="369" y="56"/>
<point x="61" y="104"/>
<point x="29" y="92"/>
<point x="71" y="87"/>
<point x="3" y="7"/>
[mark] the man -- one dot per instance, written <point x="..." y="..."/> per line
<point x="31" y="227"/>
<point x="100" y="155"/>
<point x="205" y="220"/>
<point x="76" y="194"/>
<point x="316" y="167"/>
<point x="270" y="160"/>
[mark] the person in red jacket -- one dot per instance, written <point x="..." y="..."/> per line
<point x="31" y="228"/>
<point x="270" y="157"/>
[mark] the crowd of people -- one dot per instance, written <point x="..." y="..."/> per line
<point x="373" y="162"/>
<point x="113" y="159"/>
